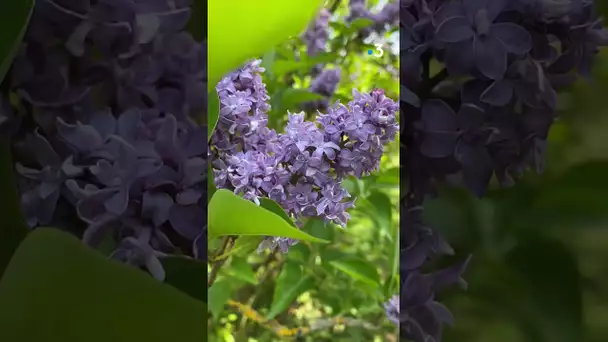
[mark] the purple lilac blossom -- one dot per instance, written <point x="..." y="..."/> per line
<point x="301" y="169"/>
<point x="114" y="151"/>
<point x="516" y="55"/>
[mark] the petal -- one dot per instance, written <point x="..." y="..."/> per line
<point x="470" y="117"/>
<point x="438" y="144"/>
<point x="82" y="137"/>
<point x="515" y="38"/>
<point x="498" y="93"/>
<point x="490" y="57"/>
<point x="117" y="204"/>
<point x="438" y="116"/>
<point x="156" y="206"/>
<point x="476" y="166"/>
<point x="454" y="30"/>
<point x="459" y="59"/>
<point x="492" y="8"/>
<point x="187" y="221"/>
<point x="199" y="247"/>
<point x="104" y="122"/>
<point x="408" y="96"/>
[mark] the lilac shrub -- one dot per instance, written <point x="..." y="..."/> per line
<point x="111" y="149"/>
<point x="486" y="113"/>
<point x="325" y="81"/>
<point x="303" y="168"/>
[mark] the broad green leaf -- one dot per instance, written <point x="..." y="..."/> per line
<point x="229" y="214"/>
<point x="14" y="17"/>
<point x="550" y="271"/>
<point x="13" y="229"/>
<point x="213" y="112"/>
<point x="240" y="269"/>
<point x="383" y="213"/>
<point x="273" y="206"/>
<point x="197" y="25"/>
<point x="388" y="177"/>
<point x="299" y="253"/>
<point x="292" y="98"/>
<point x="291" y="283"/>
<point x="187" y="275"/>
<point x="57" y="289"/>
<point x="269" y="23"/>
<point x="219" y="293"/>
<point x="358" y="269"/>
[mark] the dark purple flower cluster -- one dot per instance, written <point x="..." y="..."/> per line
<point x="485" y="112"/>
<point x="110" y="148"/>
<point x="303" y="168"/>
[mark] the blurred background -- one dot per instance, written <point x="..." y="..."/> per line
<point x="322" y="292"/>
<point x="540" y="249"/>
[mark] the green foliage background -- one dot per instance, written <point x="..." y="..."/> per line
<point x="323" y="292"/>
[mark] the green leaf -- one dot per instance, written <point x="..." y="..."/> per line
<point x="291" y="283"/>
<point x="358" y="24"/>
<point x="292" y="98"/>
<point x="219" y="293"/>
<point x="388" y="177"/>
<point x="13" y="229"/>
<point x="383" y="213"/>
<point x="197" y="25"/>
<point x="273" y="206"/>
<point x="14" y="17"/>
<point x="229" y="48"/>
<point x="213" y="112"/>
<point x="210" y="182"/>
<point x="358" y="269"/>
<point x="187" y="275"/>
<point x="553" y="281"/>
<point x="229" y="214"/>
<point x="243" y="246"/>
<point x="240" y="269"/>
<point x="57" y="289"/>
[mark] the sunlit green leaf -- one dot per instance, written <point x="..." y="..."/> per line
<point x="229" y="48"/>
<point x="229" y="214"/>
<point x="213" y="112"/>
<point x="274" y="207"/>
<point x="218" y="294"/>
<point x="239" y="268"/>
<point x="358" y="269"/>
<point x="291" y="283"/>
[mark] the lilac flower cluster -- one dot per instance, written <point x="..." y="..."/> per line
<point x="110" y="148"/>
<point x="303" y="168"/>
<point x="316" y="37"/>
<point x="486" y="113"/>
<point x="387" y="15"/>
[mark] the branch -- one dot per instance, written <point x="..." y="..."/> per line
<point x="226" y="245"/>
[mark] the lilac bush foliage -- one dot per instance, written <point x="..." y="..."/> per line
<point x="486" y="113"/>
<point x="303" y="168"/>
<point x="111" y="149"/>
<point x="326" y="81"/>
